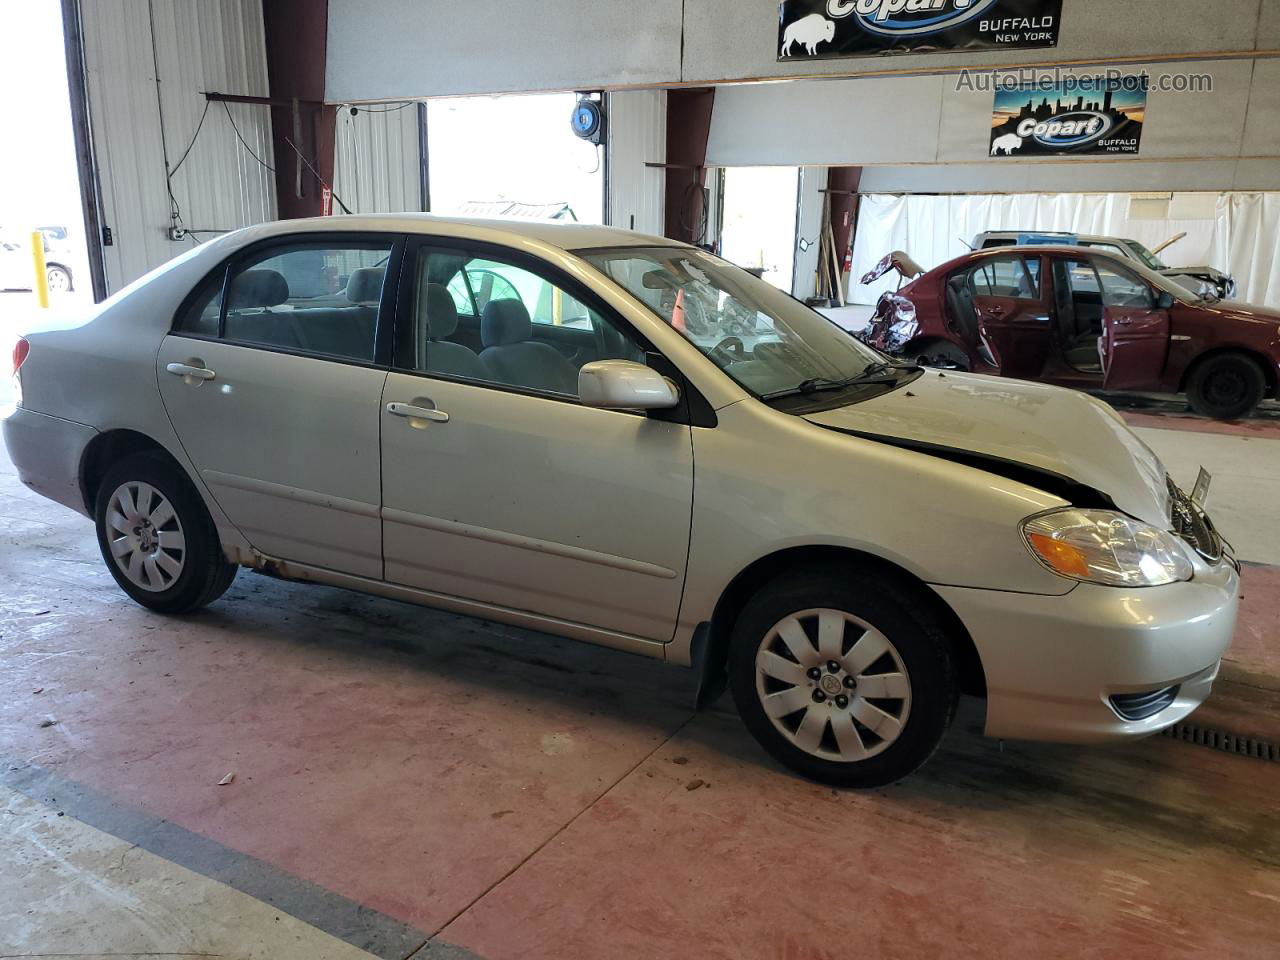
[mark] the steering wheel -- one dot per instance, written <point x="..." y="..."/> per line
<point x="730" y="350"/>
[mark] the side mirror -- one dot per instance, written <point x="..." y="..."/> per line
<point x="1164" y="300"/>
<point x="625" y="385"/>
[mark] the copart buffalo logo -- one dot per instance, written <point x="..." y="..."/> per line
<point x="1066" y="130"/>
<point x="909" y="18"/>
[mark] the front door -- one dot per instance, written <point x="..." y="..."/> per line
<point x="498" y="485"/>
<point x="1135" y="330"/>
<point x="275" y="394"/>
<point x="1012" y="313"/>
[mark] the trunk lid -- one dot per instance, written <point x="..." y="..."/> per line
<point x="1011" y="424"/>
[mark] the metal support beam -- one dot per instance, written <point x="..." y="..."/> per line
<point x="303" y="127"/>
<point x="688" y="127"/>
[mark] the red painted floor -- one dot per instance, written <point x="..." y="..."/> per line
<point x="1269" y="428"/>
<point x="533" y="797"/>
<point x="1034" y="852"/>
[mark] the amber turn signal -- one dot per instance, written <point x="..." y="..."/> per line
<point x="1062" y="557"/>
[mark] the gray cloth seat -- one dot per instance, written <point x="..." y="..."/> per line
<point x="250" y="316"/>
<point x="344" y="331"/>
<point x="511" y="355"/>
<point x="438" y="319"/>
<point x="365" y="285"/>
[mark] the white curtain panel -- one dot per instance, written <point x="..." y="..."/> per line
<point x="1241" y="238"/>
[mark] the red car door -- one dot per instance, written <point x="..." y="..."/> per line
<point x="1013" y="314"/>
<point x="1135" y="330"/>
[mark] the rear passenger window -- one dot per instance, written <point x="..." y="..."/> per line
<point x="1014" y="277"/>
<point x="309" y="298"/>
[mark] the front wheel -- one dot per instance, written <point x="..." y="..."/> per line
<point x="845" y="679"/>
<point x="1226" y="387"/>
<point x="157" y="538"/>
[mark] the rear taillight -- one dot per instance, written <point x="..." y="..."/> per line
<point x="20" y="351"/>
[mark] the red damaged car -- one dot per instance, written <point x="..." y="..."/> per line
<point x="1079" y="318"/>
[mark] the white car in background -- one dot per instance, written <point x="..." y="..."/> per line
<point x="847" y="542"/>
<point x="17" y="271"/>
<point x="1202" y="281"/>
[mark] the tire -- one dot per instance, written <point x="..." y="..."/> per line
<point x="942" y="354"/>
<point x="167" y="558"/>
<point x="913" y="672"/>
<point x="58" y="278"/>
<point x="1226" y="387"/>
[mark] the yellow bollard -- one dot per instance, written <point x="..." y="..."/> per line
<point x="42" y="274"/>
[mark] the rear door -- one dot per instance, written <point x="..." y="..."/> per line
<point x="272" y="378"/>
<point x="1135" y="330"/>
<point x="1013" y="313"/>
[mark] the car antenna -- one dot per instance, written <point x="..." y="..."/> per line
<point x="967" y="244"/>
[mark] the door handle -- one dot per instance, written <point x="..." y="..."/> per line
<point x="415" y="412"/>
<point x="190" y="372"/>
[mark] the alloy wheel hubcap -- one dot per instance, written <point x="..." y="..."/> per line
<point x="145" y="536"/>
<point x="833" y="685"/>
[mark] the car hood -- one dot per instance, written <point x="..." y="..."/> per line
<point x="1062" y="441"/>
<point x="1212" y="272"/>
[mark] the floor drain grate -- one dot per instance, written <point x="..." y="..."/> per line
<point x="1226" y="742"/>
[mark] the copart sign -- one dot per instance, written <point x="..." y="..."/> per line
<point x="1086" y="115"/>
<point x="816" y="29"/>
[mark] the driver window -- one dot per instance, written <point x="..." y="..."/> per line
<point x="482" y="319"/>
<point x="1122" y="289"/>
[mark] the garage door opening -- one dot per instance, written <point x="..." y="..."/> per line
<point x="759" y="226"/>
<point x="39" y="179"/>
<point x="512" y="156"/>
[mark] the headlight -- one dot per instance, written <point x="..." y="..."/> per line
<point x="1100" y="546"/>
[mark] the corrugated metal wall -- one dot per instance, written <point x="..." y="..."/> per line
<point x="376" y="167"/>
<point x="201" y="45"/>
<point x="637" y="135"/>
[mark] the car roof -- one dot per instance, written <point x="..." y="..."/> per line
<point x="1091" y="237"/>
<point x="988" y="253"/>
<point x="566" y="235"/>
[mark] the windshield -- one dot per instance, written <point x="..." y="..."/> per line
<point x="768" y="342"/>
<point x="1146" y="256"/>
<point x="1168" y="284"/>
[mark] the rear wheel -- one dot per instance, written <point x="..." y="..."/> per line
<point x="1226" y="387"/>
<point x="846" y="680"/>
<point x="157" y="538"/>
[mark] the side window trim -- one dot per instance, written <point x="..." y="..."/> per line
<point x="1022" y="263"/>
<point x="403" y="355"/>
<point x="383" y="327"/>
<point x="1121" y="270"/>
<point x="692" y="410"/>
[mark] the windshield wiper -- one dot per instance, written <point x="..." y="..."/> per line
<point x="881" y="372"/>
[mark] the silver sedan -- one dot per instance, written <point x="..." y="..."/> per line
<point x="628" y="441"/>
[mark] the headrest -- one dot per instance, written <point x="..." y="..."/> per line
<point x="503" y="322"/>
<point x="439" y="310"/>
<point x="365" y="285"/>
<point x="258" y="288"/>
